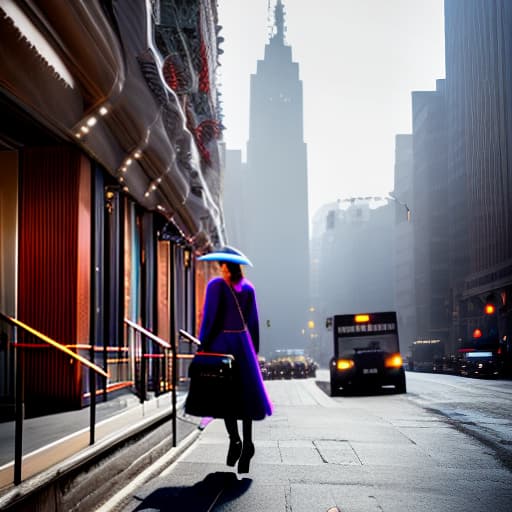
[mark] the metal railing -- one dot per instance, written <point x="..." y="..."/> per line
<point x="19" y="406"/>
<point x="163" y="370"/>
<point x="169" y="349"/>
<point x="142" y="355"/>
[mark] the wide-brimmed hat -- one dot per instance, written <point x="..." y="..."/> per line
<point x="227" y="253"/>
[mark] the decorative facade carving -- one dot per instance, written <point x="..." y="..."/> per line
<point x="187" y="37"/>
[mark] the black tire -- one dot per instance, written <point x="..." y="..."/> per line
<point x="401" y="386"/>
<point x="335" y="389"/>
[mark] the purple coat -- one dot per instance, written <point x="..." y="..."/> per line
<point x="222" y="331"/>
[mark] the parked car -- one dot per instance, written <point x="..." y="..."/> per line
<point x="479" y="363"/>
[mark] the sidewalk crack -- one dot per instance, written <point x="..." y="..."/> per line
<point x="324" y="460"/>
<point x="279" y="451"/>
<point x="288" y="498"/>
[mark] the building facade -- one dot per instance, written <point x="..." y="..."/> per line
<point x="478" y="78"/>
<point x="109" y="184"/>
<point x="431" y="216"/>
<point x="354" y="250"/>
<point x="462" y="181"/>
<point x="274" y="199"/>
<point x="405" y="301"/>
<point x="232" y="193"/>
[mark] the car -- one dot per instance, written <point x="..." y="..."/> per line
<point x="479" y="363"/>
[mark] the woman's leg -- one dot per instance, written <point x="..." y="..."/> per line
<point x="247" y="430"/>
<point x="232" y="429"/>
<point x="235" y="444"/>
<point x="248" y="447"/>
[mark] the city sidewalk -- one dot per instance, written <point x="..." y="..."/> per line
<point x="57" y="441"/>
<point x="371" y="453"/>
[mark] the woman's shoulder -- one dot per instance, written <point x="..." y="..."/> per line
<point x="247" y="285"/>
<point x="218" y="282"/>
<point x="215" y="283"/>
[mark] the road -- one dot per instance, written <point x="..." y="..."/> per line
<point x="383" y="452"/>
<point x="480" y="407"/>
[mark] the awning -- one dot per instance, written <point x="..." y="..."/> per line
<point x="94" y="77"/>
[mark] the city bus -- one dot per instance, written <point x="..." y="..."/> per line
<point x="366" y="352"/>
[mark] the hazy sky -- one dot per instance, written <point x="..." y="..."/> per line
<point x="359" y="60"/>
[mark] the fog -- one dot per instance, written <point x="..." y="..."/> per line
<point x="358" y="61"/>
<point x="312" y="106"/>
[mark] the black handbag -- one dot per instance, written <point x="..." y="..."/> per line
<point x="211" y="389"/>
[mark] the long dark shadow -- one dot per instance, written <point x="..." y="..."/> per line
<point x="215" y="489"/>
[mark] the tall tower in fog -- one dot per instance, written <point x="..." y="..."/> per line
<point x="276" y="196"/>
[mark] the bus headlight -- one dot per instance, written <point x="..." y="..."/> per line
<point x="394" y="361"/>
<point x="344" y="364"/>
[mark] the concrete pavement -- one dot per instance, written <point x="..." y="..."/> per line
<point x="366" y="453"/>
<point x="67" y="469"/>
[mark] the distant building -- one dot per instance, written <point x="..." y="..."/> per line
<point x="462" y="182"/>
<point x="479" y="106"/>
<point x="274" y="202"/>
<point x="232" y="193"/>
<point x="322" y="222"/>
<point x="357" y="256"/>
<point x="320" y="337"/>
<point x="353" y="251"/>
<point x="431" y="216"/>
<point x="405" y="301"/>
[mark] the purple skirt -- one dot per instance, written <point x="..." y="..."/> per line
<point x="252" y="400"/>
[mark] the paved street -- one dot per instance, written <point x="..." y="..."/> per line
<point x="358" y="453"/>
<point x="481" y="407"/>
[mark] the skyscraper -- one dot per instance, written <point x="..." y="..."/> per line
<point x="405" y="302"/>
<point x="479" y="106"/>
<point x="275" y="200"/>
<point x="431" y="215"/>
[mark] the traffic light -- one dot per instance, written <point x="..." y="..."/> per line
<point x="477" y="333"/>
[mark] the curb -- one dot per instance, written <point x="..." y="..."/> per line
<point x="120" y="499"/>
<point x="37" y="483"/>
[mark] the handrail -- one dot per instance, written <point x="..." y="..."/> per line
<point x="186" y="336"/>
<point x="149" y="334"/>
<point x="19" y="406"/>
<point x="55" y="344"/>
<point x="143" y="370"/>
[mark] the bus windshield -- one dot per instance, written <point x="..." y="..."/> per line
<point x="349" y="346"/>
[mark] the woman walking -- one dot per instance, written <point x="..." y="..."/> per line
<point x="230" y="325"/>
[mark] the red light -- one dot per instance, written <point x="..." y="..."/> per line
<point x="477" y="333"/>
<point x="489" y="309"/>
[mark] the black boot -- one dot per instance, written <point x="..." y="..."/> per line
<point x="235" y="444"/>
<point x="234" y="451"/>
<point x="245" y="457"/>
